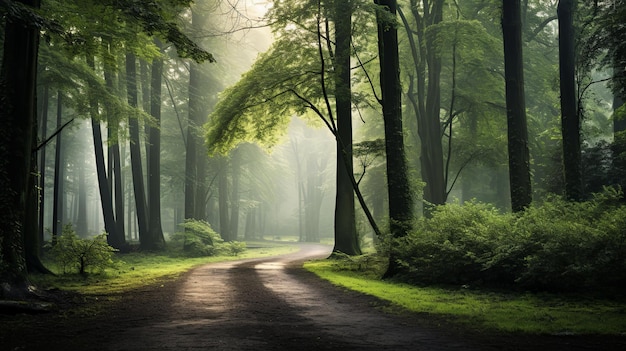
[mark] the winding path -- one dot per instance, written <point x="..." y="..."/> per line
<point x="272" y="304"/>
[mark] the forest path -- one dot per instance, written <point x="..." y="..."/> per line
<point x="273" y="304"/>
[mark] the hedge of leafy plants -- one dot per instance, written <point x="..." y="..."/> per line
<point x="553" y="246"/>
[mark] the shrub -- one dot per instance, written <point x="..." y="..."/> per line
<point x="232" y="248"/>
<point x="197" y="238"/>
<point x="73" y="253"/>
<point x="556" y="245"/>
<point x="453" y="245"/>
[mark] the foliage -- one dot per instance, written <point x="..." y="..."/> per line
<point x="555" y="246"/>
<point x="73" y="253"/>
<point x="198" y="239"/>
<point x="233" y="248"/>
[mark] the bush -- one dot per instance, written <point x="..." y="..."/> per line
<point x="198" y="239"/>
<point x="555" y="246"/>
<point x="453" y="245"/>
<point x="232" y="248"/>
<point x="72" y="253"/>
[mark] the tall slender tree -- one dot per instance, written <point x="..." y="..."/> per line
<point x="346" y="238"/>
<point x="156" y="239"/>
<point x="398" y="187"/>
<point x="59" y="179"/>
<point x="570" y="120"/>
<point x="103" y="182"/>
<point x="118" y="237"/>
<point x="135" y="153"/>
<point x="519" y="159"/>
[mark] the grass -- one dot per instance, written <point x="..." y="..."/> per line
<point x="135" y="270"/>
<point x="486" y="310"/>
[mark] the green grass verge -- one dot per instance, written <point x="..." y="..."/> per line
<point x="487" y="311"/>
<point x="135" y="270"/>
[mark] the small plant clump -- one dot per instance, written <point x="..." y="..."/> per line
<point x="74" y="254"/>
<point x="198" y="239"/>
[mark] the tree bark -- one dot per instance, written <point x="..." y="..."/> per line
<point x="346" y="238"/>
<point x="135" y="154"/>
<point x="59" y="169"/>
<point x="223" y="200"/>
<point x="115" y="181"/>
<point x="235" y="165"/>
<point x="42" y="161"/>
<point x="103" y="186"/>
<point x="399" y="190"/>
<point x="430" y="132"/>
<point x="570" y="121"/>
<point x="18" y="77"/>
<point x="196" y="157"/>
<point x="519" y="159"/>
<point x="157" y="241"/>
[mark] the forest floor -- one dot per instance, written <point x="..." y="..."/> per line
<point x="256" y="304"/>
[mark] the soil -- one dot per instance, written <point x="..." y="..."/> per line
<point x="257" y="304"/>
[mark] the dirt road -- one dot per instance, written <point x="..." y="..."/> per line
<point x="261" y="304"/>
<point x="269" y="304"/>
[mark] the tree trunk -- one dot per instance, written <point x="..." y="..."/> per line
<point x="314" y="199"/>
<point x="399" y="190"/>
<point x="42" y="162"/>
<point x="235" y="165"/>
<point x="157" y="240"/>
<point x="570" y="122"/>
<point x="346" y="238"/>
<point x="32" y="241"/>
<point x="223" y="200"/>
<point x="18" y="77"/>
<point x="135" y="154"/>
<point x="196" y="157"/>
<point x="59" y="169"/>
<point x="430" y="132"/>
<point x="250" y="224"/>
<point x="106" y="200"/>
<point x="519" y="159"/>
<point x="115" y="181"/>
<point x="81" y="220"/>
<point x="103" y="186"/>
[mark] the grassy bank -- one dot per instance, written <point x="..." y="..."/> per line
<point x="135" y="270"/>
<point x="487" y="311"/>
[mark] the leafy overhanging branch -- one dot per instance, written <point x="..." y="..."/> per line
<point x="259" y="107"/>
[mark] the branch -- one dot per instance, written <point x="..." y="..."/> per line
<point x="52" y="136"/>
<point x="367" y="75"/>
<point x="539" y="28"/>
<point x="323" y="69"/>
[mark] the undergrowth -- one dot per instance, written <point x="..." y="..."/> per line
<point x="556" y="246"/>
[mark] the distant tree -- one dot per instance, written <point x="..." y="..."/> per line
<point x="519" y="158"/>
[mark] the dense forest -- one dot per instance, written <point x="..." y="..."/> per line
<point x="467" y="141"/>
